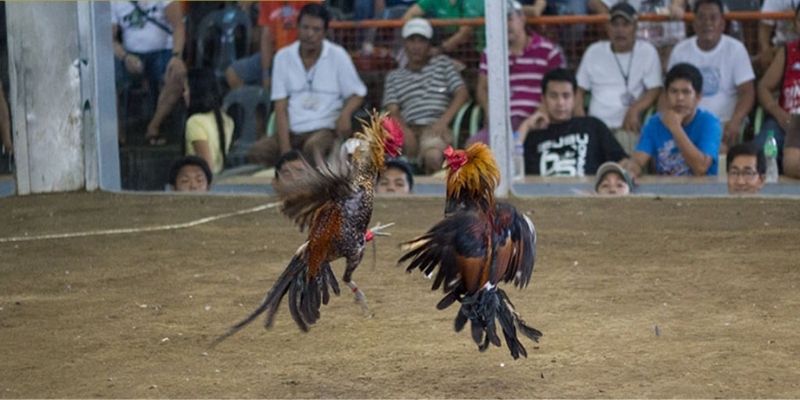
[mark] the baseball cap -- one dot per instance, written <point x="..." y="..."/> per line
<point x="609" y="167"/>
<point x="417" y="26"/>
<point x="623" y="10"/>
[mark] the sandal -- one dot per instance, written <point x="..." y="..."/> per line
<point x="157" y="141"/>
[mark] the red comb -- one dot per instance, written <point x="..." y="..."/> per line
<point x="394" y="139"/>
<point x="455" y="158"/>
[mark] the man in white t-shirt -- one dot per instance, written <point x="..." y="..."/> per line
<point x="728" y="78"/>
<point x="623" y="76"/>
<point x="784" y="31"/>
<point x="315" y="88"/>
<point x="153" y="36"/>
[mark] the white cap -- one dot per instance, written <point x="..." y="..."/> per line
<point x="418" y="26"/>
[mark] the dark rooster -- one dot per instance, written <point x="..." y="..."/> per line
<point x="478" y="244"/>
<point x="334" y="202"/>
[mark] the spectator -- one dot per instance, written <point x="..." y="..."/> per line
<point x="190" y="174"/>
<point x="315" y="88"/>
<point x="397" y="178"/>
<point x="530" y="57"/>
<point x="746" y="167"/>
<point x="663" y="35"/>
<point x="569" y="146"/>
<point x="785" y="81"/>
<point x="209" y="130"/>
<point x="728" y="88"/>
<point x="613" y="180"/>
<point x="5" y="124"/>
<point x="683" y="139"/>
<point x="277" y="20"/>
<point x="623" y="76"/>
<point x="290" y="167"/>
<point x="784" y="31"/>
<point x="152" y="44"/>
<point x="451" y="9"/>
<point x="424" y="96"/>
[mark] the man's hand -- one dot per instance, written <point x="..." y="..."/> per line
<point x="632" y="122"/>
<point x="439" y="126"/>
<point x="344" y="127"/>
<point x="133" y="64"/>
<point x="672" y="120"/>
<point x="537" y="120"/>
<point x="731" y="130"/>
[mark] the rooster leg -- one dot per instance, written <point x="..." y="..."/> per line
<point x="361" y="299"/>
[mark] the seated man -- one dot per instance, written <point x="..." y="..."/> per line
<point x="569" y="146"/>
<point x="728" y="92"/>
<point x="746" y="168"/>
<point x="397" y="178"/>
<point x="530" y="56"/>
<point x="424" y="96"/>
<point x="190" y="174"/>
<point x="683" y="139"/>
<point x="613" y="180"/>
<point x="315" y="88"/>
<point x="623" y="75"/>
<point x="152" y="39"/>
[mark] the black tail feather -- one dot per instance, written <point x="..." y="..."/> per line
<point x="486" y="307"/>
<point x="305" y="297"/>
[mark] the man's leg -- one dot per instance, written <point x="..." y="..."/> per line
<point x="244" y="71"/>
<point x="431" y="147"/>
<point x="170" y="93"/>
<point x="317" y="145"/>
<point x="265" y="151"/>
<point x="791" y="150"/>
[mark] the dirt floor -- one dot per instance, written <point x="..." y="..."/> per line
<point x="637" y="297"/>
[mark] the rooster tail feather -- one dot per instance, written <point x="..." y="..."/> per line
<point x="485" y="310"/>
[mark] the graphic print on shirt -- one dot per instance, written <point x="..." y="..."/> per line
<point x="670" y="161"/>
<point x="565" y="156"/>
<point x="137" y="19"/>
<point x="711" y="80"/>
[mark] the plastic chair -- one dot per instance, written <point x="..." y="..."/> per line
<point x="243" y="105"/>
<point x="457" y="121"/>
<point x="223" y="25"/>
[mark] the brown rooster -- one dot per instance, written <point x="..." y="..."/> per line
<point x="478" y="244"/>
<point x="334" y="203"/>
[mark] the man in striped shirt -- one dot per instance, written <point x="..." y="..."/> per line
<point x="424" y="96"/>
<point x="530" y="56"/>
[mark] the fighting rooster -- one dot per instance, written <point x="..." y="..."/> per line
<point x="334" y="202"/>
<point x="478" y="244"/>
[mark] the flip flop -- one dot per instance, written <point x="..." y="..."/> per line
<point x="157" y="141"/>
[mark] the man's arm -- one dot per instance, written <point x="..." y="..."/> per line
<point x="768" y="83"/>
<point x="174" y="15"/>
<point x="580" y="98"/>
<point x="413" y="12"/>
<point x="344" y="126"/>
<point x="745" y="98"/>
<point x="461" y="36"/>
<point x="266" y="47"/>
<point x="633" y="117"/>
<point x="698" y="161"/>
<point x="638" y="160"/>
<point x="765" y="50"/>
<point x="282" y="124"/>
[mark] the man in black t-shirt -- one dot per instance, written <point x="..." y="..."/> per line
<point x="568" y="146"/>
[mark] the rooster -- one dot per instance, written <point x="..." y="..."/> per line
<point x="479" y="244"/>
<point x="334" y="202"/>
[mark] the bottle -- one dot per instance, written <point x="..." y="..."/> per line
<point x="771" y="154"/>
<point x="518" y="158"/>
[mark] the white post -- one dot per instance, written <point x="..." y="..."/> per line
<point x="55" y="101"/>
<point x="497" y="60"/>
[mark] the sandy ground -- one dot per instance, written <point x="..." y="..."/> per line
<point x="637" y="297"/>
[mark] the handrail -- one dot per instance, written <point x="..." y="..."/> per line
<point x="559" y="19"/>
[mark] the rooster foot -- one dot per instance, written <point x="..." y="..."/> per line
<point x="360" y="298"/>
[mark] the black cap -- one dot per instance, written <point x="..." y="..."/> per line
<point x="623" y="10"/>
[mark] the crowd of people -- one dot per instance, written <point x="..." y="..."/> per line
<point x="659" y="101"/>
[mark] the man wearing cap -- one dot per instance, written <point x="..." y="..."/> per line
<point x="424" y="96"/>
<point x="728" y="88"/>
<point x="530" y="56"/>
<point x="623" y="75"/>
<point x="316" y="89"/>
<point x="613" y="180"/>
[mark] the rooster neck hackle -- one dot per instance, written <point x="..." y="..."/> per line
<point x="475" y="180"/>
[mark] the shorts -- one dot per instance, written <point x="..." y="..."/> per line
<point x="248" y="69"/>
<point x="430" y="139"/>
<point x="155" y="66"/>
